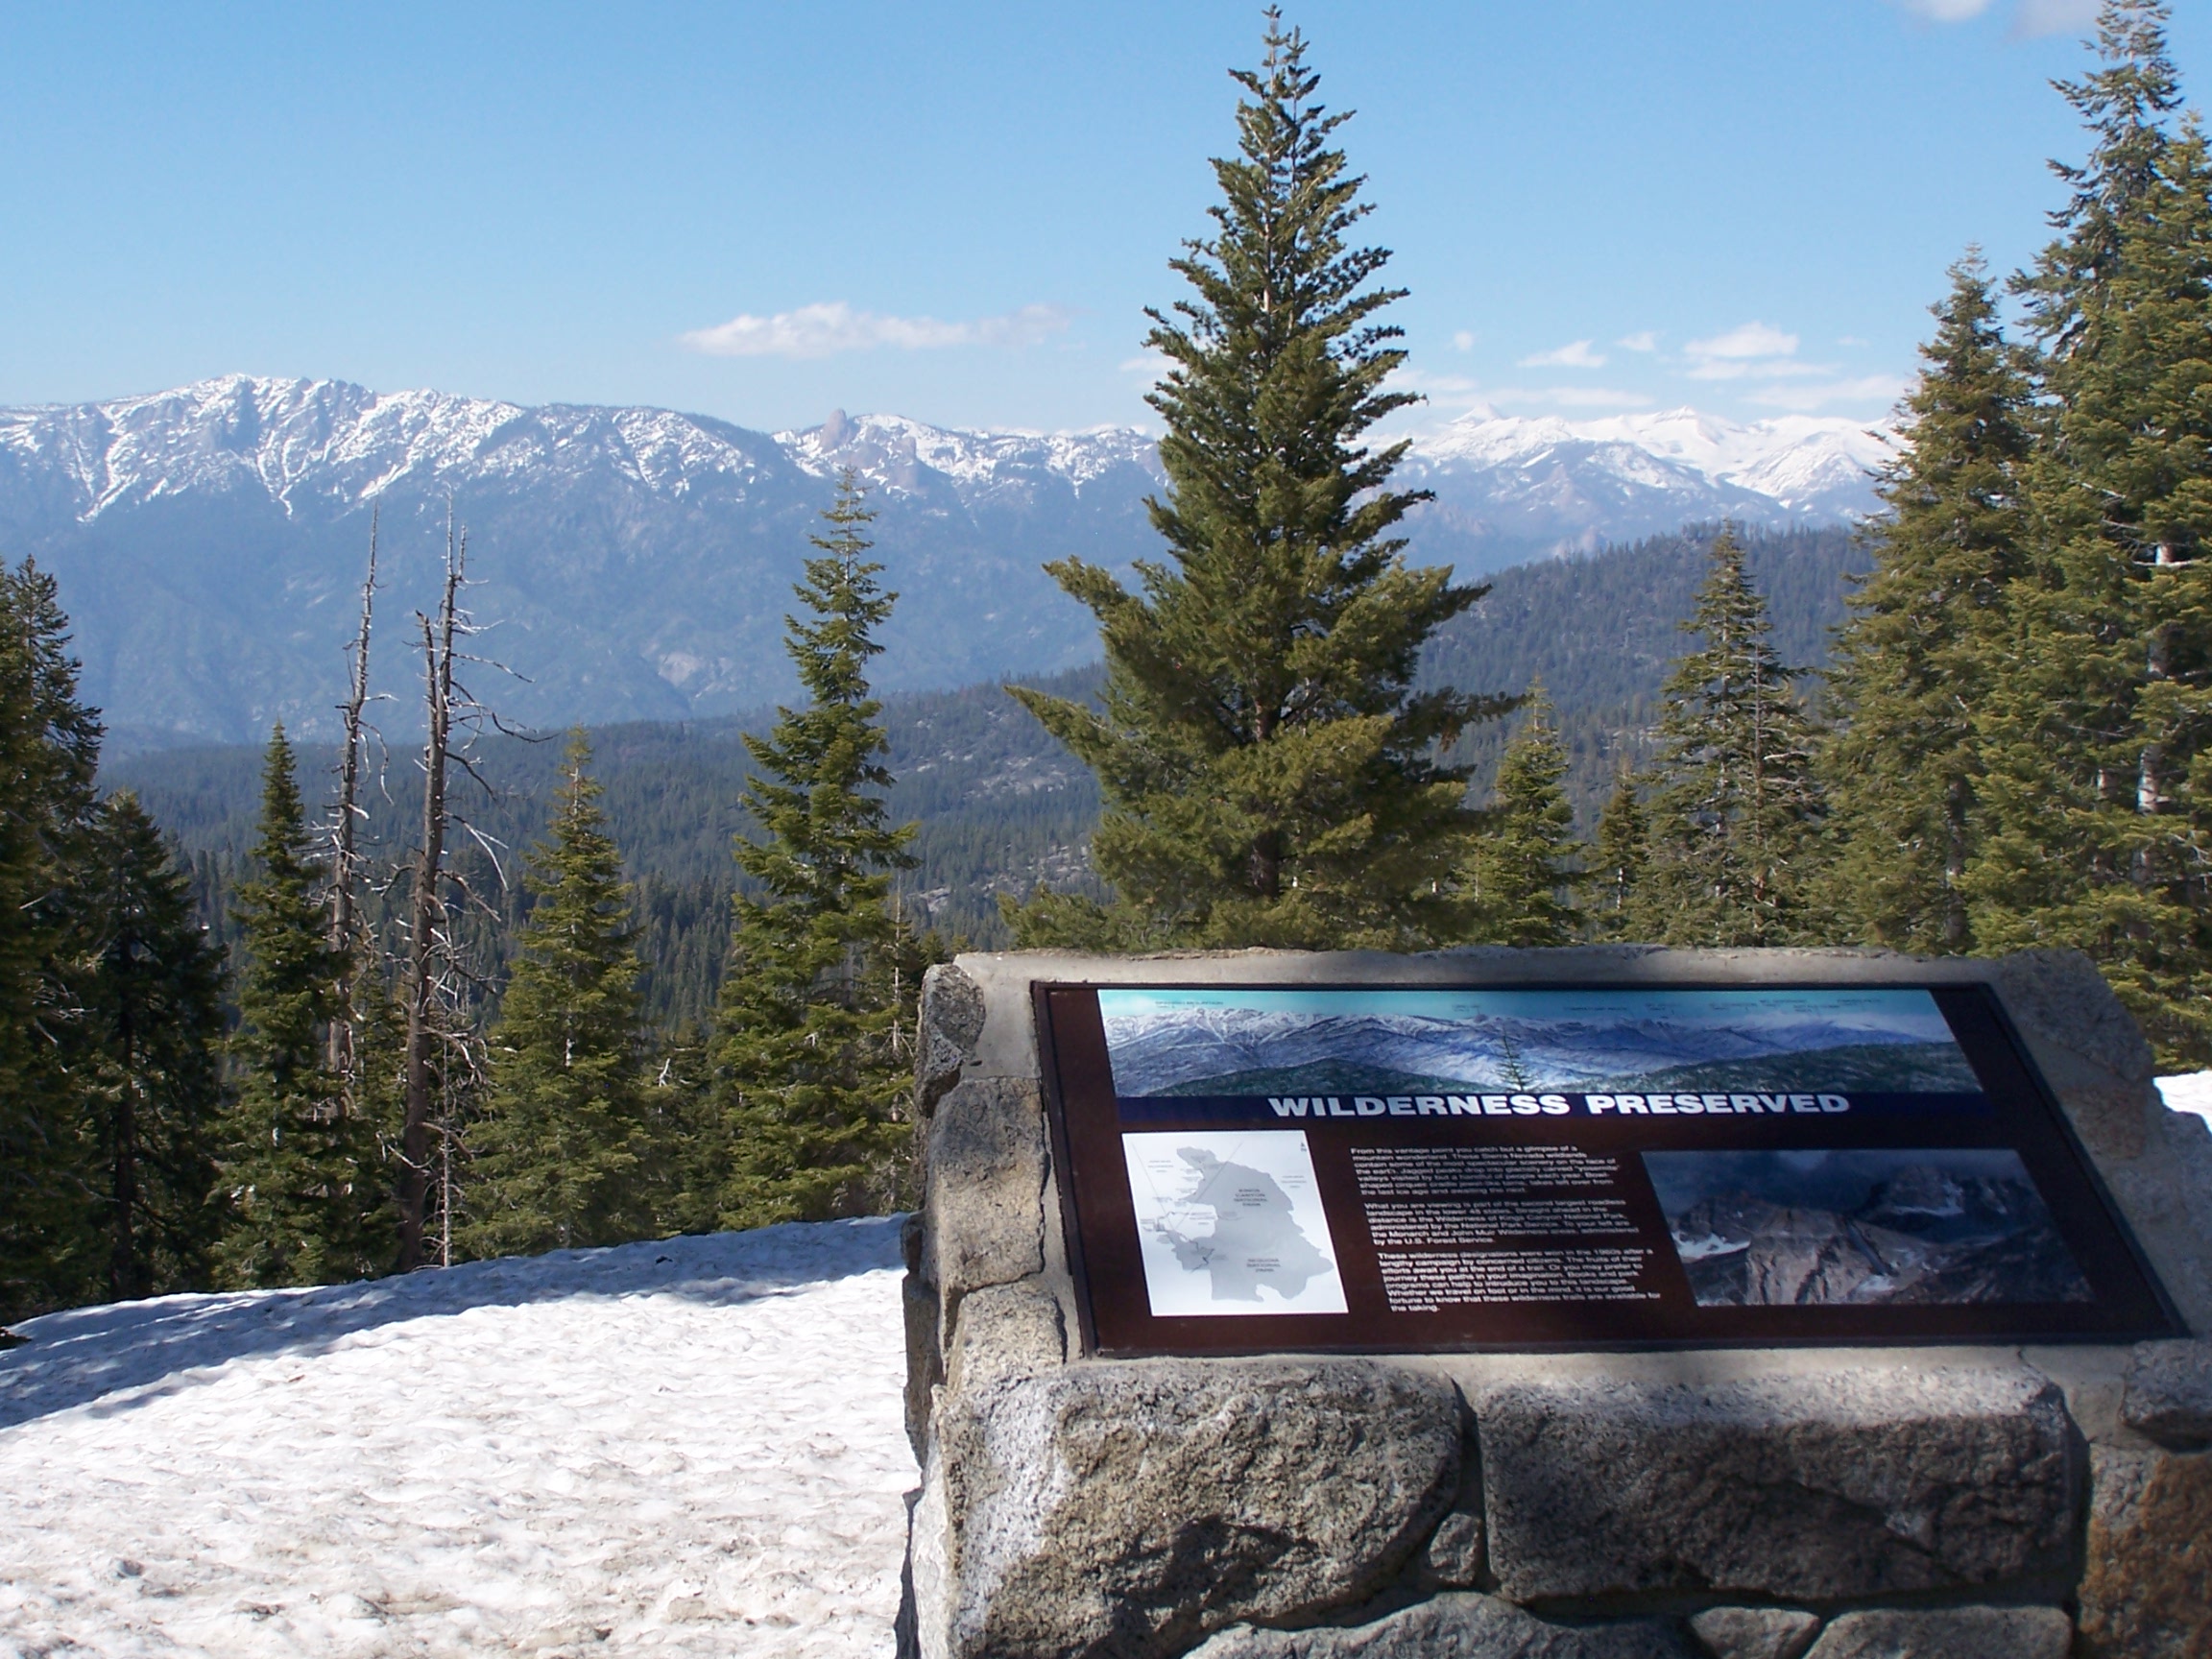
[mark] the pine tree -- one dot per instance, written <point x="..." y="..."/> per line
<point x="562" y="1157"/>
<point x="1902" y="766"/>
<point x="811" y="1089"/>
<point x="1618" y="860"/>
<point x="1734" y="799"/>
<point x="2098" y="733"/>
<point x="50" y="1245"/>
<point x="299" y="1170"/>
<point x="150" y="983"/>
<point x="1271" y="775"/>
<point x="1526" y="866"/>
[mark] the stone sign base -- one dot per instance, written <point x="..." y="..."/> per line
<point x="1759" y="1503"/>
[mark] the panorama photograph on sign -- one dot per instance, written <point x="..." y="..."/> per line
<point x="1180" y="1043"/>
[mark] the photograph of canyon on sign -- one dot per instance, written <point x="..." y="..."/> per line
<point x="1913" y="1226"/>
<point x="1172" y="829"/>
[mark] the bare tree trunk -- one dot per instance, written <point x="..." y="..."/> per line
<point x="427" y="918"/>
<point x="346" y="861"/>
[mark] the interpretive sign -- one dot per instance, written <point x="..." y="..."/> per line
<point x="1400" y="1169"/>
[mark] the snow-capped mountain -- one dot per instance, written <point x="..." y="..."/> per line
<point x="1193" y="1051"/>
<point x="322" y="444"/>
<point x="309" y="444"/>
<point x="1552" y="484"/>
<point x="209" y="543"/>
<point x="209" y="538"/>
<point x="897" y="453"/>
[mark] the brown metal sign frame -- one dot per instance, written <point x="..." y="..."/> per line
<point x="1655" y="1306"/>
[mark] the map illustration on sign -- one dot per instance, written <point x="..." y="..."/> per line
<point x="1231" y="1223"/>
<point x="1904" y="1227"/>
<point x="1168" y="1042"/>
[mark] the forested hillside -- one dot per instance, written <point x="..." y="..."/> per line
<point x="1599" y="632"/>
<point x="999" y="804"/>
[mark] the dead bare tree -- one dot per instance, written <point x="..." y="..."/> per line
<point x="444" y="1051"/>
<point x="346" y="856"/>
<point x="428" y="916"/>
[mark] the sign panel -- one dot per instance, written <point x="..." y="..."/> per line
<point x="1399" y="1168"/>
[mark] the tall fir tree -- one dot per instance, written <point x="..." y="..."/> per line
<point x="1617" y="860"/>
<point x="299" y="1171"/>
<point x="564" y="1158"/>
<point x="1527" y="867"/>
<point x="2129" y="102"/>
<point x="810" y="1086"/>
<point x="1901" y="765"/>
<point x="1734" y="802"/>
<point x="150" y="983"/>
<point x="1271" y="775"/>
<point x="2098" y="730"/>
<point x="50" y="1245"/>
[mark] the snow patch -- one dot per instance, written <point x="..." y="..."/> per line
<point x="2190" y="1093"/>
<point x="693" y="1446"/>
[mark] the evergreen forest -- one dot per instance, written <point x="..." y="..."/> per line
<point x="305" y="1014"/>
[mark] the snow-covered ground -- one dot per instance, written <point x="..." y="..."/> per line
<point x="2190" y="1093"/>
<point x="685" y="1448"/>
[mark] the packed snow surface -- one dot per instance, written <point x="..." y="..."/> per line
<point x="2189" y="1093"/>
<point x="684" y="1448"/>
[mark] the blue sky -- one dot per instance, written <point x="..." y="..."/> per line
<point x="958" y="212"/>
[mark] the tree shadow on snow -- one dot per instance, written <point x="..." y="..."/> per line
<point x="123" y="1354"/>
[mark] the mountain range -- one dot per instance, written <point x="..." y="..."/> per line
<point x="1230" y="1050"/>
<point x="636" y="563"/>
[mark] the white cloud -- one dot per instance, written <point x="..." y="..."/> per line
<point x="1646" y="340"/>
<point x="2030" y="18"/>
<point x="1463" y="341"/>
<point x="1459" y="394"/>
<point x="1750" y="339"/>
<point x="823" y="330"/>
<point x="1591" y="398"/>
<point x="1766" y="355"/>
<point x="1574" y="354"/>
<point x="2039" y="17"/>
<point x="1146" y="362"/>
<point x="1945" y="11"/>
<point x="1881" y="389"/>
<point x="1751" y="351"/>
<point x="1442" y="391"/>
